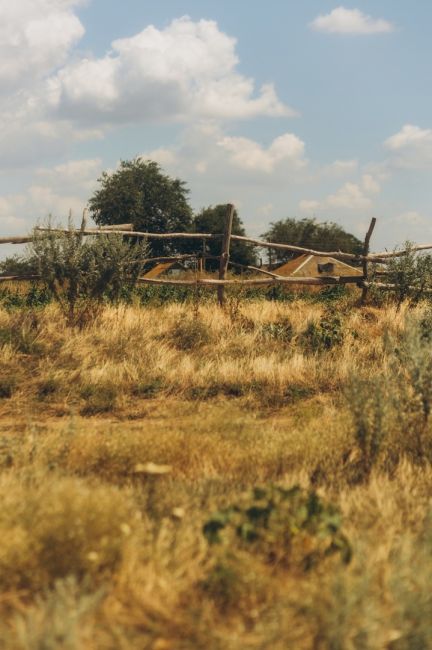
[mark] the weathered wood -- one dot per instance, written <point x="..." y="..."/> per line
<point x="257" y="269"/>
<point x="16" y="240"/>
<point x="210" y="282"/>
<point x="224" y="258"/>
<point x="116" y="226"/>
<point x="134" y="233"/>
<point x="298" y="249"/>
<point x="366" y="261"/>
<point x="179" y="258"/>
<point x="378" y="257"/>
<point x="18" y="278"/>
<point x="392" y="287"/>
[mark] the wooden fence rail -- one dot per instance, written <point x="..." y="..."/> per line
<point x="271" y="277"/>
<point x="378" y="258"/>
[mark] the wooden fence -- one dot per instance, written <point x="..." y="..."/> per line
<point x="365" y="259"/>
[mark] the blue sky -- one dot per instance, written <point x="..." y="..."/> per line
<point x="287" y="108"/>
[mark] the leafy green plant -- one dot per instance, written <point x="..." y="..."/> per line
<point x="280" y="330"/>
<point x="324" y="335"/>
<point x="370" y="406"/>
<point x="80" y="273"/>
<point x="283" y="526"/>
<point x="410" y="275"/>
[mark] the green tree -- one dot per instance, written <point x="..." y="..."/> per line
<point x="327" y="236"/>
<point x="140" y="193"/>
<point x="212" y="220"/>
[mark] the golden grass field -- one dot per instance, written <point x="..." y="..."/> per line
<point x="118" y="442"/>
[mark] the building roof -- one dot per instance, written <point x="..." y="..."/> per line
<point x="299" y="266"/>
<point x="163" y="267"/>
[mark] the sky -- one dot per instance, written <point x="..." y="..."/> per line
<point x="285" y="108"/>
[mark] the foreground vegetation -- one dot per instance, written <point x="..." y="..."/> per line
<point x="177" y="476"/>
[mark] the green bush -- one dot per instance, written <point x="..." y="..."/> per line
<point x="280" y="330"/>
<point x="325" y="335"/>
<point x="371" y="405"/>
<point x="410" y="275"/>
<point x="82" y="272"/>
<point x="283" y="526"/>
<point x="391" y="412"/>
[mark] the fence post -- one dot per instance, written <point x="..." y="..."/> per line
<point x="224" y="258"/>
<point x="365" y="262"/>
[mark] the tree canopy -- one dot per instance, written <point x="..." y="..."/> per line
<point x="140" y="193"/>
<point x="327" y="236"/>
<point x="212" y="220"/>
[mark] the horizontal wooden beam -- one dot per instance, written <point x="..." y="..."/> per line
<point x="18" y="278"/>
<point x="135" y="233"/>
<point x="16" y="240"/>
<point x="210" y="282"/>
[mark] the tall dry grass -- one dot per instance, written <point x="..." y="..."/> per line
<point x="120" y="441"/>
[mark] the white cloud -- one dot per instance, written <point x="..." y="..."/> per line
<point x="9" y="209"/>
<point x="350" y="21"/>
<point x="53" y="190"/>
<point x="77" y="176"/>
<point x="206" y="151"/>
<point x="411" y="147"/>
<point x="183" y="72"/>
<point x="370" y="185"/>
<point x="163" y="156"/>
<point x="309" y="205"/>
<point x="341" y="168"/>
<point x="351" y="196"/>
<point x="250" y="155"/>
<point x="35" y="38"/>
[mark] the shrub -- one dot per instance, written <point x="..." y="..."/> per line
<point x="325" y="335"/>
<point x="283" y="526"/>
<point x="410" y="275"/>
<point x="370" y="407"/>
<point x="391" y="411"/>
<point x="81" y="272"/>
<point x="280" y="330"/>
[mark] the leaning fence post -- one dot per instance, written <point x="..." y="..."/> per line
<point x="365" y="260"/>
<point x="224" y="258"/>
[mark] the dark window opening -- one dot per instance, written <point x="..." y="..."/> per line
<point x="328" y="267"/>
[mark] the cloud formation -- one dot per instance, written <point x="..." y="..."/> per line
<point x="351" y="196"/>
<point x="350" y="21"/>
<point x="183" y="72"/>
<point x="411" y="147"/>
<point x="35" y="38"/>
<point x="250" y="155"/>
<point x="207" y="149"/>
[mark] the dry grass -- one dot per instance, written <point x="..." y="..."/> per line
<point x="118" y="442"/>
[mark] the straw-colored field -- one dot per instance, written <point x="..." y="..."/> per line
<point x="119" y="442"/>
